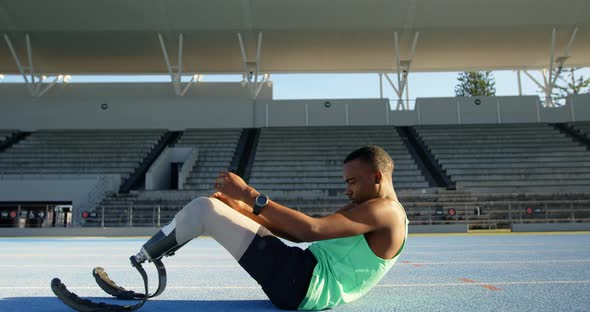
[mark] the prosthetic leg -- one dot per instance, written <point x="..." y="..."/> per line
<point x="227" y="226"/>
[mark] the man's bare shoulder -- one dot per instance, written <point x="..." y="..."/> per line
<point x="377" y="207"/>
<point x="383" y="203"/>
<point x="388" y="209"/>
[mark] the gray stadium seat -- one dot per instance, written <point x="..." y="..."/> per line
<point x="52" y="152"/>
<point x="509" y="158"/>
<point x="302" y="167"/>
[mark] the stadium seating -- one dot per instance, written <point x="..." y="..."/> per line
<point x="216" y="150"/>
<point x="509" y="158"/>
<point x="5" y="134"/>
<point x="79" y="152"/>
<point x="583" y="127"/>
<point x="500" y="170"/>
<point x="302" y="167"/>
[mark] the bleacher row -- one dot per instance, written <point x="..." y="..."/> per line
<point x="510" y="158"/>
<point x="583" y="127"/>
<point x="5" y="134"/>
<point x="498" y="170"/>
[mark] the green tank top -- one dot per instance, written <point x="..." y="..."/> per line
<point x="347" y="268"/>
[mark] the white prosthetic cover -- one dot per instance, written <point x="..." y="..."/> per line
<point x="228" y="227"/>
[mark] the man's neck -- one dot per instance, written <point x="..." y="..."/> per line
<point x="388" y="192"/>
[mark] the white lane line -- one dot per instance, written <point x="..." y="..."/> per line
<point x="487" y="283"/>
<point x="196" y="265"/>
<point x="499" y="262"/>
<point x="223" y="254"/>
<point x="107" y="266"/>
<point x="496" y="251"/>
<point x="138" y="287"/>
<point x="379" y="285"/>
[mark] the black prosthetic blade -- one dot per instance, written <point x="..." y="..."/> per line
<point x="84" y="305"/>
<point x="106" y="283"/>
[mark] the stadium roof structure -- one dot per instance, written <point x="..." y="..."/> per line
<point x="304" y="36"/>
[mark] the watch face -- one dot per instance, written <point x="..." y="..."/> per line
<point x="261" y="200"/>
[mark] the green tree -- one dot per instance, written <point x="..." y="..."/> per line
<point x="568" y="84"/>
<point x="476" y="84"/>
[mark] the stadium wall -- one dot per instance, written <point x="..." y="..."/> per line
<point x="130" y="106"/>
<point x="84" y="191"/>
<point x="229" y="105"/>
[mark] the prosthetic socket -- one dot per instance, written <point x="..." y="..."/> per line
<point x="202" y="215"/>
<point x="162" y="244"/>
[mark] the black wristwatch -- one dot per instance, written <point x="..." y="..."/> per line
<point x="259" y="203"/>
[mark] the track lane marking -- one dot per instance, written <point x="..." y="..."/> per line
<point x="378" y="285"/>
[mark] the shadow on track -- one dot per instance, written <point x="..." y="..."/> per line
<point x="46" y="304"/>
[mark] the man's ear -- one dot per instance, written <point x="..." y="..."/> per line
<point x="378" y="177"/>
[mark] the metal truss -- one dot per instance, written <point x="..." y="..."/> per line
<point x="549" y="77"/>
<point x="35" y="84"/>
<point x="251" y="76"/>
<point x="175" y="72"/>
<point x="403" y="69"/>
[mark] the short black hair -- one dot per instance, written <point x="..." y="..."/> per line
<point x="373" y="155"/>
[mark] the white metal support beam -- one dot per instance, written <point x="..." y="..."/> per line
<point x="252" y="72"/>
<point x="175" y="72"/>
<point x="33" y="83"/>
<point x="402" y="68"/>
<point x="380" y="85"/>
<point x="519" y="79"/>
<point x="549" y="77"/>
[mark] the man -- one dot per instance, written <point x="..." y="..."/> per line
<point x="354" y="247"/>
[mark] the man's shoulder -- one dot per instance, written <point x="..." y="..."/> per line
<point x="383" y="202"/>
<point x="386" y="208"/>
<point x="375" y="206"/>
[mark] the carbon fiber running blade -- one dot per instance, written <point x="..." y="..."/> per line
<point x="84" y="305"/>
<point x="106" y="283"/>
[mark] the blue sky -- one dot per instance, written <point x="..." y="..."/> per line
<point x="314" y="86"/>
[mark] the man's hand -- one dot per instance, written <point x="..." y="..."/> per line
<point x="234" y="187"/>
<point x="235" y="204"/>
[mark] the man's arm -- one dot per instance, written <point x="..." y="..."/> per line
<point x="367" y="217"/>
<point x="246" y="210"/>
<point x="364" y="218"/>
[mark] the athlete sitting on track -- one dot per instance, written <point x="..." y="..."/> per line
<point x="354" y="247"/>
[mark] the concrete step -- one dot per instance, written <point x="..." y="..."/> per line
<point x="33" y="141"/>
<point x="68" y="165"/>
<point x="336" y="174"/>
<point x="527" y="188"/>
<point x="209" y="172"/>
<point x="211" y="164"/>
<point x="508" y="164"/>
<point x="332" y="187"/>
<point x="315" y="163"/>
<point x="518" y="171"/>
<point x="202" y="180"/>
<point x="318" y="157"/>
<point x="527" y="183"/>
<point x="344" y="142"/>
<point x="123" y="171"/>
<point x="321" y="180"/>
<point x="508" y="153"/>
<point x="219" y="144"/>
<point x="78" y="149"/>
<point x="523" y="177"/>
<point x="512" y="148"/>
<point x="540" y="160"/>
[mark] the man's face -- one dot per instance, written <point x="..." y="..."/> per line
<point x="360" y="181"/>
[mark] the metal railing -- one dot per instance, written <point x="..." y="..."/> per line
<point x="501" y="214"/>
<point x="490" y="215"/>
<point x="132" y="217"/>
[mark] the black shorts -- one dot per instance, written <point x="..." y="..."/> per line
<point x="284" y="272"/>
